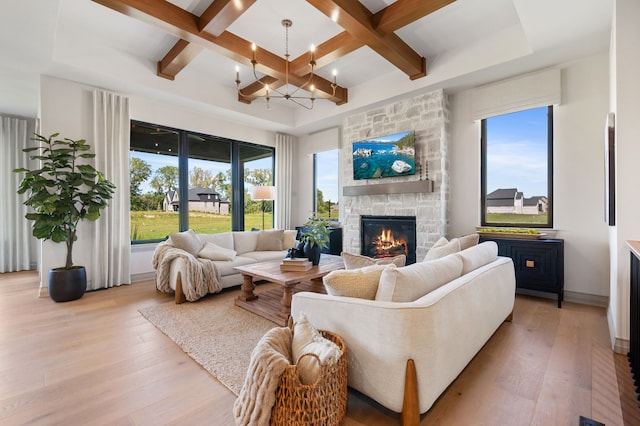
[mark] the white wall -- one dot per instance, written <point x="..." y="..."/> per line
<point x="308" y="145"/>
<point x="66" y="107"/>
<point x="578" y="175"/>
<point x="625" y="61"/>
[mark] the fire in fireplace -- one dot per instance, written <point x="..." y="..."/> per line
<point x="385" y="236"/>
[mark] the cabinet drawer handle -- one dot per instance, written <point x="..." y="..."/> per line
<point x="529" y="263"/>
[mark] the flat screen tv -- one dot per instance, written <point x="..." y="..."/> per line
<point x="385" y="156"/>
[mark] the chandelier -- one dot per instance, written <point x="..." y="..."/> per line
<point x="276" y="91"/>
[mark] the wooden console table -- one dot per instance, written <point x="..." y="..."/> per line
<point x="275" y="305"/>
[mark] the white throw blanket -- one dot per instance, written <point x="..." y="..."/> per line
<point x="202" y="276"/>
<point x="269" y="359"/>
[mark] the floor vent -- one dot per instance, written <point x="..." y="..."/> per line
<point x="584" y="421"/>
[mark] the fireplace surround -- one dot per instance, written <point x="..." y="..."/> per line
<point x="387" y="236"/>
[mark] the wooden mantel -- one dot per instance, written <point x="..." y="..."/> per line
<point x="414" y="186"/>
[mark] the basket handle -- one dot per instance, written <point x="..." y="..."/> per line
<point x="319" y="368"/>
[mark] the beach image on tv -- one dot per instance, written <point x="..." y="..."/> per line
<point x="385" y="156"/>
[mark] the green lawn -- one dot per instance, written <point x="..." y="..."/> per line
<point x="154" y="225"/>
<point x="516" y="218"/>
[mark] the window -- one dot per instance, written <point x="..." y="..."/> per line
<point x="325" y="184"/>
<point x="169" y="165"/>
<point x="517" y="169"/>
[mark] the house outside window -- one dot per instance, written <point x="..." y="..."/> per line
<point x="169" y="165"/>
<point x="517" y="169"/>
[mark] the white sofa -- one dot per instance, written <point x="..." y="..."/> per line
<point x="440" y="331"/>
<point x="211" y="261"/>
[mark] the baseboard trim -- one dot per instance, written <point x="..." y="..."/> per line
<point x="43" y="292"/>
<point x="570" y="296"/>
<point x="143" y="277"/>
<point x="620" y="346"/>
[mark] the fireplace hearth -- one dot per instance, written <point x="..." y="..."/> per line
<point x="387" y="236"/>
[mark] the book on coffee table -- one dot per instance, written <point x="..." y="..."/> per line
<point x="295" y="265"/>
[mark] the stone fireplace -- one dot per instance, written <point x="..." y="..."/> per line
<point x="423" y="195"/>
<point x="388" y="236"/>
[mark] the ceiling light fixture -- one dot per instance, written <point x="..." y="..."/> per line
<point x="272" y="92"/>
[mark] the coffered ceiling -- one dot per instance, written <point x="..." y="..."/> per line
<point x="381" y="49"/>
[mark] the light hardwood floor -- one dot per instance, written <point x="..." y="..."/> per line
<point x="97" y="361"/>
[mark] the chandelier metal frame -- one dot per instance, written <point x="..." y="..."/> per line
<point x="272" y="92"/>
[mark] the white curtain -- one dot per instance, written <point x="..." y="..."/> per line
<point x="284" y="180"/>
<point x="17" y="252"/>
<point x="110" y="265"/>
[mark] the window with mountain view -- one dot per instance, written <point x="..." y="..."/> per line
<point x="517" y="169"/>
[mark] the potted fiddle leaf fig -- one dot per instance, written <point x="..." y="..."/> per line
<point x="62" y="192"/>
<point x="316" y="237"/>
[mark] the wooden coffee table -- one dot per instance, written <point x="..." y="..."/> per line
<point x="275" y="304"/>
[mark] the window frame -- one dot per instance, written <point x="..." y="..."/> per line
<point x="483" y="178"/>
<point x="237" y="175"/>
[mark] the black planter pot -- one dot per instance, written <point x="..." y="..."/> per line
<point x="67" y="284"/>
<point x="312" y="253"/>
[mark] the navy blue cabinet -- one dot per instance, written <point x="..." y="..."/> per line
<point x="539" y="263"/>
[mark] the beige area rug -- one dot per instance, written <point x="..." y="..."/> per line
<point x="214" y="332"/>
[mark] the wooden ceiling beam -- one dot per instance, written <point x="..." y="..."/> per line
<point x="358" y="21"/>
<point x="216" y="19"/>
<point x="221" y="14"/>
<point x="403" y="12"/>
<point x="327" y="52"/>
<point x="184" y="25"/>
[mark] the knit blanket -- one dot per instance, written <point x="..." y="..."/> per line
<point x="269" y="359"/>
<point x="200" y="279"/>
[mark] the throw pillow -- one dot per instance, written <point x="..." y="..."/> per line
<point x="270" y="240"/>
<point x="213" y="251"/>
<point x="308" y="340"/>
<point x="361" y="283"/>
<point x="245" y="241"/>
<point x="354" y="261"/>
<point x="414" y="281"/>
<point x="442" y="248"/>
<point x="470" y="240"/>
<point x="477" y="256"/>
<point x="289" y="240"/>
<point x="188" y="241"/>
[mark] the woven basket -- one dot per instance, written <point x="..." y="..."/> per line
<point x="321" y="403"/>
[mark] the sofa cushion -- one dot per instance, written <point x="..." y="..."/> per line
<point x="477" y="256"/>
<point x="361" y="283"/>
<point x="215" y="252"/>
<point x="225" y="267"/>
<point x="353" y="261"/>
<point x="271" y="239"/>
<point x="223" y="239"/>
<point x="245" y="241"/>
<point x="308" y="340"/>
<point x="289" y="240"/>
<point x="442" y="248"/>
<point x="414" y="281"/>
<point x="188" y="241"/>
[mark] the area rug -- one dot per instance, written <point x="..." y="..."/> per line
<point x="214" y="332"/>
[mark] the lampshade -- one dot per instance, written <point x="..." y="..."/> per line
<point x="263" y="193"/>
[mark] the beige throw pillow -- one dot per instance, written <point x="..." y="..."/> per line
<point x="477" y="256"/>
<point x="289" y="240"/>
<point x="188" y="241"/>
<point x="414" y="281"/>
<point x="442" y="248"/>
<point x="308" y="340"/>
<point x="213" y="251"/>
<point x="354" y="261"/>
<point x="470" y="240"/>
<point x="270" y="240"/>
<point x="361" y="283"/>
